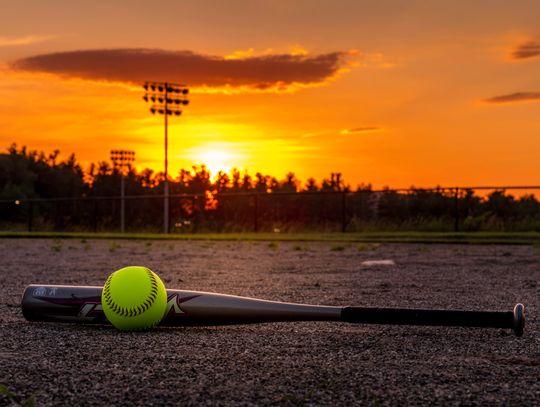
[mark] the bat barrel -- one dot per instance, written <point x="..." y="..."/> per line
<point x="62" y="303"/>
<point x="82" y="304"/>
<point x="199" y="308"/>
<point x="402" y="316"/>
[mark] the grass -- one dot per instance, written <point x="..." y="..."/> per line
<point x="362" y="247"/>
<point x="337" y="248"/>
<point x="114" y="247"/>
<point x="368" y="237"/>
<point x="17" y="400"/>
<point x="57" y="245"/>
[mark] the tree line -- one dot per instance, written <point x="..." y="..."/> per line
<point x="237" y="201"/>
<point x="31" y="174"/>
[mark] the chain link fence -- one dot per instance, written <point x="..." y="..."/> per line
<point x="487" y="208"/>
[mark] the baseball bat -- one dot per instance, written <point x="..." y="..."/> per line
<point x="82" y="304"/>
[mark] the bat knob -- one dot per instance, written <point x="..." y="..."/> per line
<point x="519" y="319"/>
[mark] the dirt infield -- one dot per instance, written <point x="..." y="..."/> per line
<point x="305" y="363"/>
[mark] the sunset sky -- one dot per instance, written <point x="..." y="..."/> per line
<point x="394" y="93"/>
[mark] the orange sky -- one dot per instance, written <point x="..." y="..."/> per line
<point x="389" y="93"/>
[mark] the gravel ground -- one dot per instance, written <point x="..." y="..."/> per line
<point x="303" y="363"/>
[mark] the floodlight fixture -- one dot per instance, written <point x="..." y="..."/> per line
<point x="166" y="99"/>
<point x="122" y="159"/>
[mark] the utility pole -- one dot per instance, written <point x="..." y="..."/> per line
<point x="166" y="99"/>
<point x="122" y="159"/>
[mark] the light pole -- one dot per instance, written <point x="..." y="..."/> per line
<point x="122" y="159"/>
<point x="166" y="99"/>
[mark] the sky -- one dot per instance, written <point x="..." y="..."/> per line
<point x="391" y="93"/>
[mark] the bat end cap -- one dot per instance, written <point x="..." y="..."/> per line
<point x="519" y="319"/>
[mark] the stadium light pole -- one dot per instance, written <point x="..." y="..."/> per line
<point x="166" y="99"/>
<point x="122" y="159"/>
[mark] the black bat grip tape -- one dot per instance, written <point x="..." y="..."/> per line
<point x="405" y="316"/>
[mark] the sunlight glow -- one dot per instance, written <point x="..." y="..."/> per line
<point x="216" y="157"/>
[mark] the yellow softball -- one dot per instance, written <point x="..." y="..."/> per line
<point x="134" y="298"/>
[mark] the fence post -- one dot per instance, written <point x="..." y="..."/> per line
<point x="256" y="212"/>
<point x="194" y="217"/>
<point x="343" y="212"/>
<point x="30" y="215"/>
<point x="94" y="215"/>
<point x="167" y="211"/>
<point x="456" y="210"/>
<point x="56" y="219"/>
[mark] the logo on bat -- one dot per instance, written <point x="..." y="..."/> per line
<point x="40" y="291"/>
<point x="90" y="307"/>
<point x="173" y="304"/>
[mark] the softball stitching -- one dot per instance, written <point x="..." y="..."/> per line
<point x="138" y="309"/>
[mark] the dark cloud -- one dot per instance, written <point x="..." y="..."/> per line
<point x="138" y="65"/>
<point x="530" y="49"/>
<point x="514" y="97"/>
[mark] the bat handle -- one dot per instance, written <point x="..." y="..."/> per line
<point x="405" y="316"/>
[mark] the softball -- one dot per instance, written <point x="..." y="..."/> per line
<point x="134" y="298"/>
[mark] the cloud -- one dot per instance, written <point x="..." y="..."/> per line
<point x="363" y="129"/>
<point x="514" y="97"/>
<point x="26" y="40"/>
<point x="332" y="133"/>
<point x="527" y="50"/>
<point x="277" y="72"/>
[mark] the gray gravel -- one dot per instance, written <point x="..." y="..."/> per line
<point x="304" y="363"/>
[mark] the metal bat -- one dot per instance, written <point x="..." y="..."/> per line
<point x="82" y="304"/>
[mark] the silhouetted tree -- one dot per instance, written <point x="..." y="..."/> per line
<point x="28" y="174"/>
<point x="311" y="185"/>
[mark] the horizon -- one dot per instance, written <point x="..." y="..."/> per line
<point x="250" y="179"/>
<point x="388" y="94"/>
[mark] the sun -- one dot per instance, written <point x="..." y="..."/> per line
<point x="217" y="161"/>
<point x="216" y="158"/>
